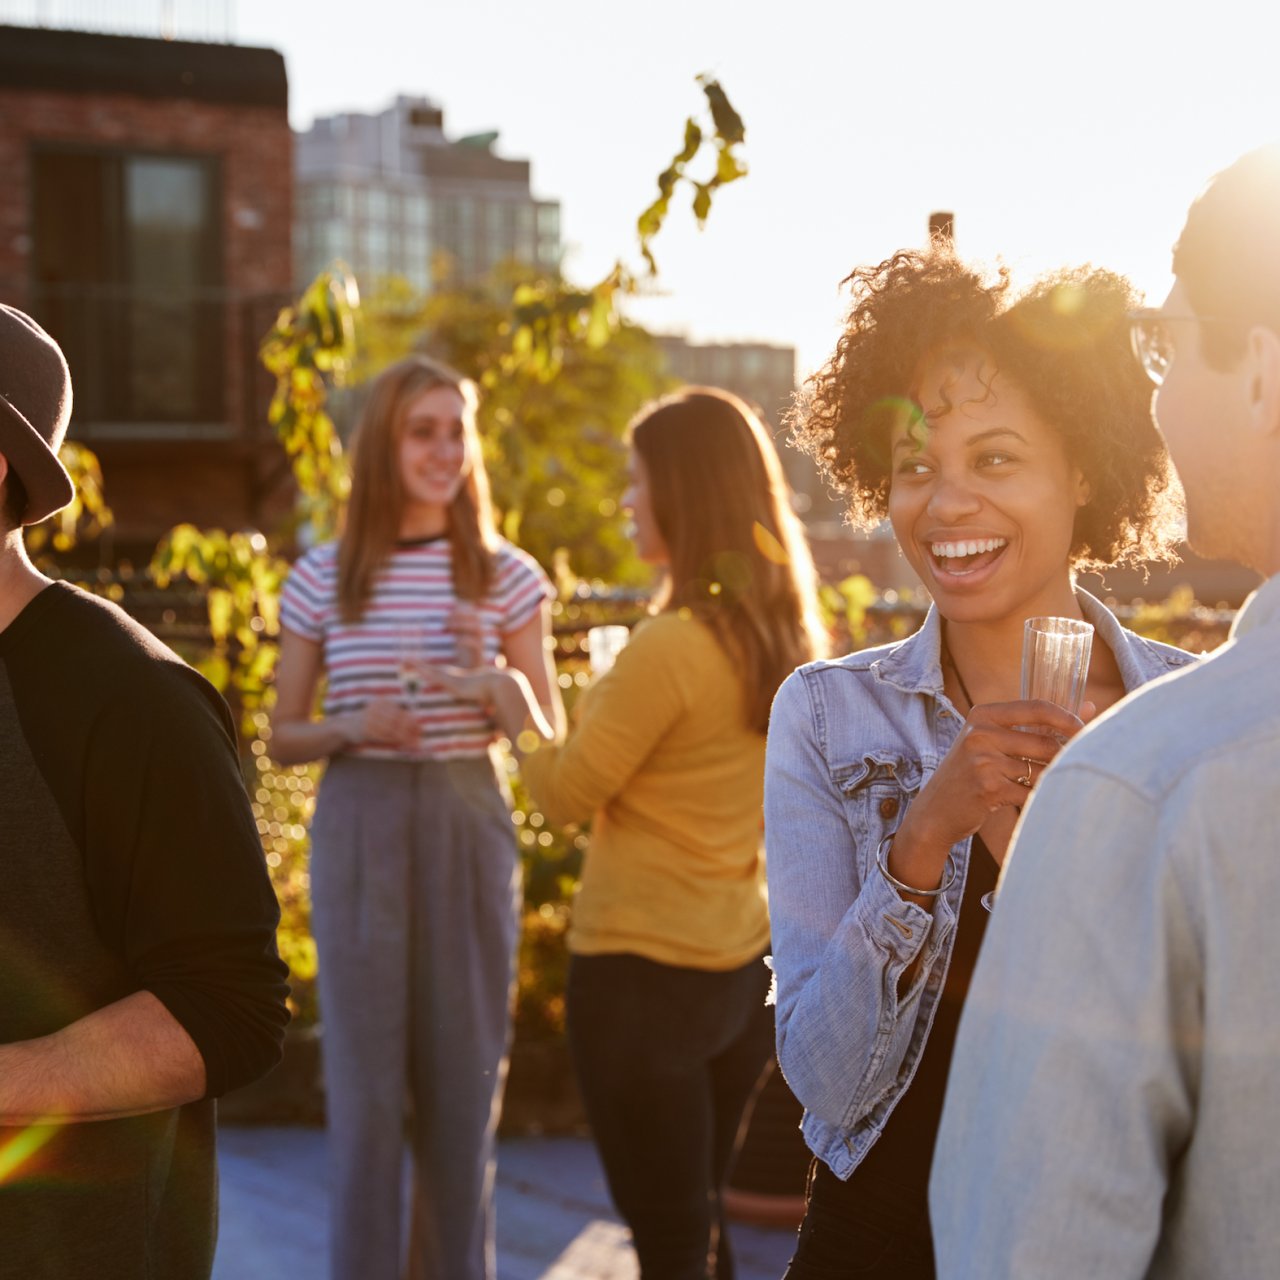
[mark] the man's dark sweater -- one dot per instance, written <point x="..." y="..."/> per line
<point x="129" y="861"/>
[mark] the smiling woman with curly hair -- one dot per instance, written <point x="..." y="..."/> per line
<point x="1010" y="443"/>
<point x="1064" y="343"/>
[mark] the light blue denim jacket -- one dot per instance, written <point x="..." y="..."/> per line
<point x="851" y="742"/>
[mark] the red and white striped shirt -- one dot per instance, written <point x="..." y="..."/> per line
<point x="406" y="621"/>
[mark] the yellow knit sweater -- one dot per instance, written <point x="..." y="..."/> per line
<point x="661" y="759"/>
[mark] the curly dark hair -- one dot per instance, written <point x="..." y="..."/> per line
<point x="1065" y="343"/>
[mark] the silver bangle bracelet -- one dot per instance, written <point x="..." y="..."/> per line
<point x="949" y="865"/>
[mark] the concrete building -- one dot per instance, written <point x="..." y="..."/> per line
<point x="391" y="194"/>
<point x="764" y="375"/>
<point x="145" y="221"/>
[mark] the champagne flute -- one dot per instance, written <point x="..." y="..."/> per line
<point x="410" y="646"/>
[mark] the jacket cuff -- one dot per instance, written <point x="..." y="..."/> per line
<point x="900" y="927"/>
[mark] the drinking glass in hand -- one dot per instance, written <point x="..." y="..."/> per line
<point x="603" y="646"/>
<point x="410" y="647"/>
<point x="1055" y="660"/>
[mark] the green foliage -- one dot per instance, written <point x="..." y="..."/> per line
<point x="547" y="318"/>
<point x="241" y="573"/>
<point x="541" y="972"/>
<point x="311" y="341"/>
<point x="84" y="518"/>
<point x="241" y="578"/>
<point x="283" y="799"/>
<point x="726" y="133"/>
<point x="1179" y="620"/>
<point x="844" y="608"/>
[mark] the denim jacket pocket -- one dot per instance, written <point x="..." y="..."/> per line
<point x="876" y="791"/>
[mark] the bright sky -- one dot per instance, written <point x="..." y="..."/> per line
<point x="1057" y="132"/>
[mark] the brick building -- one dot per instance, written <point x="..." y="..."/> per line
<point x="145" y="221"/>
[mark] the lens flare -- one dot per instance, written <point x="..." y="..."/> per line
<point x="890" y="414"/>
<point x="21" y="1147"/>
<point x="768" y="545"/>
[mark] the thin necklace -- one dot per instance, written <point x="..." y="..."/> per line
<point x="955" y="670"/>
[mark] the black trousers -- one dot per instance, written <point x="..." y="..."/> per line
<point x="848" y="1234"/>
<point x="667" y="1059"/>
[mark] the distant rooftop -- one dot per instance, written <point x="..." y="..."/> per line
<point x="163" y="19"/>
<point x="404" y="140"/>
<point x="91" y="62"/>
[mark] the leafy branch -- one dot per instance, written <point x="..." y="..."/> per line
<point x="315" y="338"/>
<point x="549" y="316"/>
<point x="84" y="517"/>
<point x="727" y="132"/>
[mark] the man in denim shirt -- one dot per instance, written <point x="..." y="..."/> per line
<point x="1114" y="1099"/>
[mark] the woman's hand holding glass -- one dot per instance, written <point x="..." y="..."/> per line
<point x="1000" y="754"/>
<point x="504" y="692"/>
<point x="384" y="722"/>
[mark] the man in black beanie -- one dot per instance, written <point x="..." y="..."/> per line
<point x="139" y="978"/>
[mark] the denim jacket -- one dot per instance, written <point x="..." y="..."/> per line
<point x="851" y="742"/>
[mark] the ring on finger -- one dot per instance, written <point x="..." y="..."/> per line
<point x="1025" y="779"/>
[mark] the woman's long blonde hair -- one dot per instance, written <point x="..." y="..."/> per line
<point x="738" y="558"/>
<point x="376" y="506"/>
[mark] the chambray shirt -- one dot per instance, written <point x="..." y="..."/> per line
<point x="1114" y="1101"/>
<point x="851" y="742"/>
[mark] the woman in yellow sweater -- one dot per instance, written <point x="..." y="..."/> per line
<point x="667" y="985"/>
<point x="666" y="1000"/>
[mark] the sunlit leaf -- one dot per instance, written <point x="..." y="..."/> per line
<point x="692" y="141"/>
<point x="701" y="201"/>
<point x="728" y="167"/>
<point x="728" y="122"/>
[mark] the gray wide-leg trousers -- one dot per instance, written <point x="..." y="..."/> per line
<point x="415" y="889"/>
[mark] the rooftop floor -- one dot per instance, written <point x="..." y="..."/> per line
<point x="554" y="1217"/>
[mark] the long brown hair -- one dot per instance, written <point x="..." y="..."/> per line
<point x="737" y="556"/>
<point x="376" y="506"/>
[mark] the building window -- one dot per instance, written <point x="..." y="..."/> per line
<point x="376" y="258"/>
<point x="549" y="220"/>
<point x="415" y="209"/>
<point x="127" y="268"/>
<point x="548" y="235"/>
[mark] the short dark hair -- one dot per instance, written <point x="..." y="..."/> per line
<point x="1228" y="255"/>
<point x="1065" y="343"/>
<point x="13" y="500"/>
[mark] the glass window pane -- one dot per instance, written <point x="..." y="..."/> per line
<point x="174" y="322"/>
<point x="415" y="209"/>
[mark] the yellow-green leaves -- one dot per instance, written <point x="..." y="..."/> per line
<point x="310" y="341"/>
<point x="84" y="517"/>
<point x="241" y="579"/>
<point x="727" y="132"/>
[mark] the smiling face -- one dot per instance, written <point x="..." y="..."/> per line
<point x="982" y="497"/>
<point x="433" y="449"/>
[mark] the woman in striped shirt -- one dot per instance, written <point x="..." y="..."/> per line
<point x="414" y="875"/>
